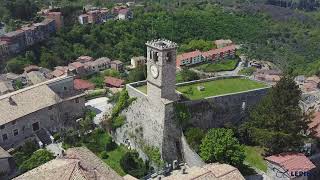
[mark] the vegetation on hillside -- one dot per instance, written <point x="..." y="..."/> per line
<point x="292" y="44"/>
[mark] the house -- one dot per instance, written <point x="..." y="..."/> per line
<point x="6" y="163"/>
<point x="31" y="68"/>
<point x="57" y="17"/>
<point x="75" y="163"/>
<point x="271" y="76"/>
<point x="220" y="53"/>
<point x="77" y="67"/>
<point x="58" y="73"/>
<point x="221" y="43"/>
<point x="138" y="61"/>
<point x="314" y="125"/>
<point x="113" y="82"/>
<point x="289" y="166"/>
<point x="190" y="58"/>
<point x="35" y="77"/>
<point x="300" y="80"/>
<point x="49" y="106"/>
<point x="83" y="19"/>
<point x="117" y="65"/>
<point x="99" y="64"/>
<point x="6" y="87"/>
<point x="213" y="171"/>
<point x="124" y="14"/>
<point x="94" y="16"/>
<point x="84" y="59"/>
<point x="83" y="85"/>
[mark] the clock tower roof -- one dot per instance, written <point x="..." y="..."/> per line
<point x="162" y="44"/>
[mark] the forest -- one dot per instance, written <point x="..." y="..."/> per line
<point x="293" y="44"/>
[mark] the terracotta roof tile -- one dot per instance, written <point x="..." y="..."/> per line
<point x="292" y="161"/>
<point x="80" y="84"/>
<point x="114" y="81"/>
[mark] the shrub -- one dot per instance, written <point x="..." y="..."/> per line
<point x="118" y="122"/>
<point x="220" y="145"/>
<point x="104" y="155"/>
<point x="194" y="137"/>
<point x="110" y="145"/>
<point x="133" y="165"/>
<point x="36" y="159"/>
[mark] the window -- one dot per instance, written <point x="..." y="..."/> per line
<point x="13" y="122"/>
<point x="50" y="107"/>
<point x="77" y="100"/>
<point x="35" y="126"/>
<point x="155" y="56"/>
<point x="2" y="126"/>
<point x="4" y="137"/>
<point x="15" y="132"/>
<point x="65" y="88"/>
<point x="51" y="117"/>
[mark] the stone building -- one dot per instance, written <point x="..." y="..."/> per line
<point x="150" y="118"/>
<point x="138" y="61"/>
<point x="50" y="106"/>
<point x="6" y="163"/>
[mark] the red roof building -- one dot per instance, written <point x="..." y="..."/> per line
<point x="215" y="54"/>
<point x="290" y="162"/>
<point x="80" y="84"/>
<point x="31" y="68"/>
<point x="314" y="125"/>
<point x="113" y="82"/>
<point x="188" y="58"/>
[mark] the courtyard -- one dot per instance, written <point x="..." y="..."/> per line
<point x="214" y="88"/>
<point x="218" y="87"/>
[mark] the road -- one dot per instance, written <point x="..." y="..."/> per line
<point x="100" y="106"/>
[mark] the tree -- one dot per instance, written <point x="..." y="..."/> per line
<point x="137" y="74"/>
<point x="188" y="75"/>
<point x="133" y="165"/>
<point x="16" y="65"/>
<point x="36" y="159"/>
<point x="220" y="145"/>
<point x="194" y="137"/>
<point x="277" y="122"/>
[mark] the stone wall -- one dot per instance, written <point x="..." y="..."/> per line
<point x="190" y="156"/>
<point x="216" y="111"/>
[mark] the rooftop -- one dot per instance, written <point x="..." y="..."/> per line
<point x="292" y="161"/>
<point x="77" y="163"/>
<point x="213" y="171"/>
<point x="162" y="44"/>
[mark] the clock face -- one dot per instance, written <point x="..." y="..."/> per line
<point x="154" y="71"/>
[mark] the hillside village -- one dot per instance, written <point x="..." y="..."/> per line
<point x="204" y="109"/>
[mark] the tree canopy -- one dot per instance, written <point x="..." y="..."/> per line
<point x="277" y="122"/>
<point x="220" y="145"/>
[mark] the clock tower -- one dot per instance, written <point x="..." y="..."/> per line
<point x="161" y="69"/>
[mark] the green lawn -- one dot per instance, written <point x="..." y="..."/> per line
<point x="142" y="89"/>
<point x="254" y="157"/>
<point x="219" y="87"/>
<point x="221" y="65"/>
<point x="114" y="157"/>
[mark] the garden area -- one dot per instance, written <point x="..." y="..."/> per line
<point x="29" y="156"/>
<point x="218" y="87"/>
<point x="254" y="157"/>
<point x="220" y="65"/>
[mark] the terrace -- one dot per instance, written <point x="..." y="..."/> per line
<point x="205" y="88"/>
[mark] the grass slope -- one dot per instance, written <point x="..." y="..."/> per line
<point x="254" y="157"/>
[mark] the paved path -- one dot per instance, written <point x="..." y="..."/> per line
<point x="222" y="73"/>
<point x="100" y="106"/>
